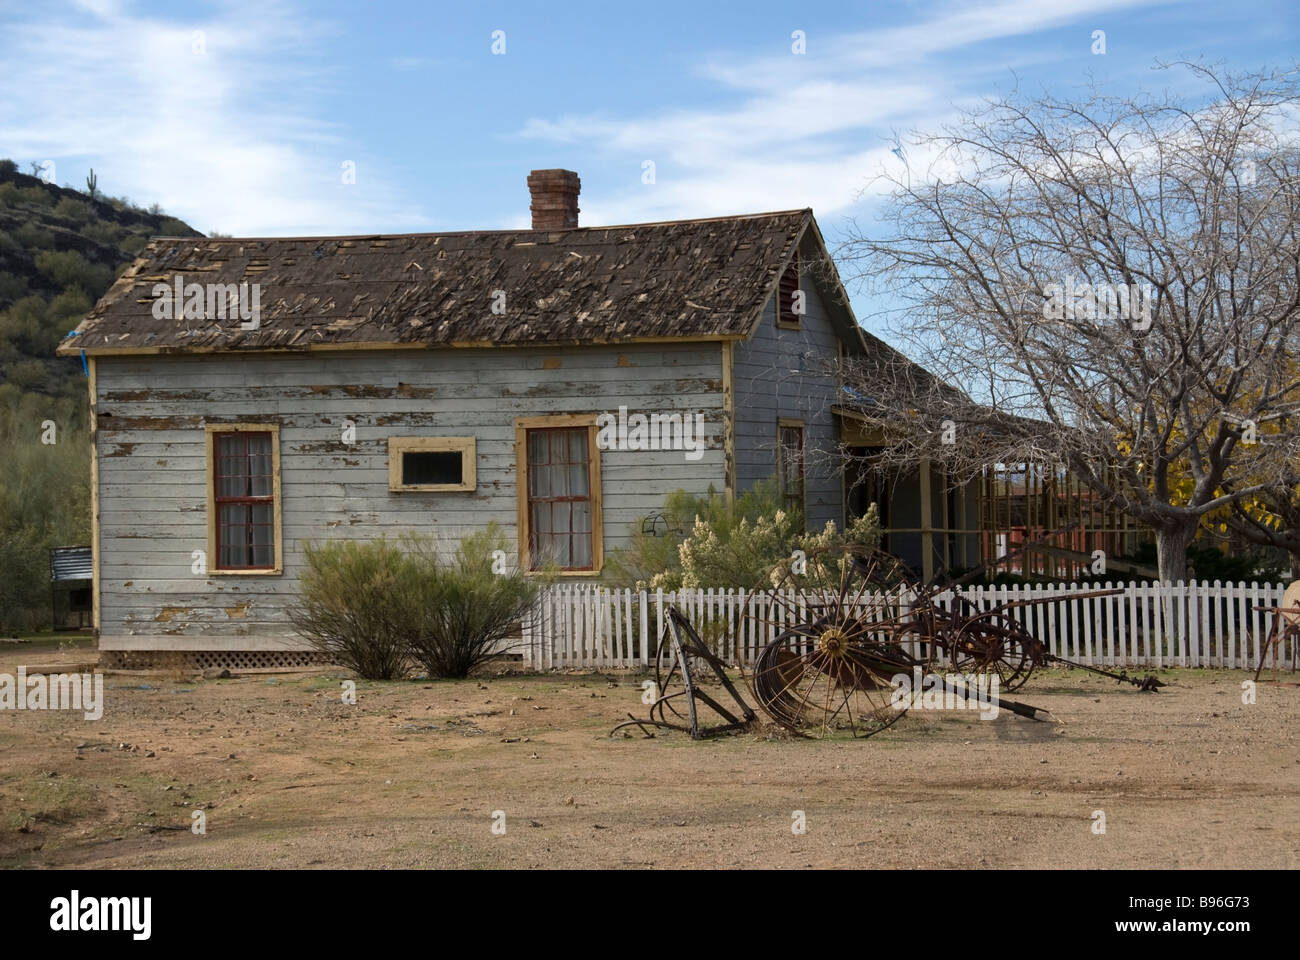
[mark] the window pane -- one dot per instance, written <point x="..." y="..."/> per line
<point x="536" y="455"/>
<point x="259" y="466"/>
<point x="431" y="466"/>
<point x="555" y="549"/>
<point x="541" y="519"/>
<point x="581" y="516"/>
<point x="559" y="475"/>
<point x="577" y="479"/>
<point x="232" y="534"/>
<point x="581" y="555"/>
<point x="560" y="516"/>
<point x="577" y="446"/>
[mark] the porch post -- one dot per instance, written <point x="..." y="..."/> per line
<point x="927" y="523"/>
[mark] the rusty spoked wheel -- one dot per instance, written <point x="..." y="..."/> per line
<point x="816" y="683"/>
<point x="993" y="642"/>
<point x="829" y="621"/>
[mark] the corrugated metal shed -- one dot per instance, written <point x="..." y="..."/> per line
<point x="71" y="563"/>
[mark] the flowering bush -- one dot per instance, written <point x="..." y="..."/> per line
<point x="711" y="543"/>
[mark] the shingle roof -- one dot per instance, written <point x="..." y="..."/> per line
<point x="689" y="278"/>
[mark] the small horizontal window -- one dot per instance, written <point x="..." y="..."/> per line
<point x="430" y="464"/>
<point x="421" y="467"/>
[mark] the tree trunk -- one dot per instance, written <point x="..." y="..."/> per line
<point x="1171" y="550"/>
<point x="1295" y="565"/>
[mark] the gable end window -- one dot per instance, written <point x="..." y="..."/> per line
<point x="431" y="464"/>
<point x="244" y="498"/>
<point x="785" y="296"/>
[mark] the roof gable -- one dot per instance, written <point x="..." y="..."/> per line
<point x="821" y="270"/>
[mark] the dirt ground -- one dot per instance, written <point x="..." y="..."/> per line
<point x="410" y="776"/>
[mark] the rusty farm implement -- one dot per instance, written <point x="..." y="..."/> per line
<point x="836" y="629"/>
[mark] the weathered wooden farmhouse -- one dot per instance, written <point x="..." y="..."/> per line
<point x="252" y="395"/>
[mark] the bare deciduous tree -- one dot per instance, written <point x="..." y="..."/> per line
<point x="1114" y="284"/>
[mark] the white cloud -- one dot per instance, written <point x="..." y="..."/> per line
<point x="410" y="63"/>
<point x="812" y="129"/>
<point x="199" y="122"/>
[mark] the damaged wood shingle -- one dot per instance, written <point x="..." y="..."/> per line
<point x="690" y="278"/>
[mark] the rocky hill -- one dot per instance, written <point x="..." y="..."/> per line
<point x="60" y="250"/>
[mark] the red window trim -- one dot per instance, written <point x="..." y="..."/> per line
<point x="220" y="501"/>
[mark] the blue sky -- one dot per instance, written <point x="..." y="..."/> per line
<point x="244" y="127"/>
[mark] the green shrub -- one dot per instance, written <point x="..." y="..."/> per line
<point x="8" y="168"/>
<point x="1208" y="563"/>
<point x="44" y="498"/>
<point x="23" y="587"/>
<point x="25" y="374"/>
<point x="68" y="268"/>
<point x="69" y="305"/>
<point x="171" y="227"/>
<point x="23" y="325"/>
<point x="33" y="237"/>
<point x="377" y="606"/>
<point x="8" y="193"/>
<point x="12" y="287"/>
<point x="102" y="232"/>
<point x="468" y="606"/>
<point x="354" y="605"/>
<point x="72" y="209"/>
<point x="37" y="196"/>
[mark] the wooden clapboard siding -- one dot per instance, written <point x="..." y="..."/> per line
<point x="782" y="373"/>
<point x="152" y="466"/>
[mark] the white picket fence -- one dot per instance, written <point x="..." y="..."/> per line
<point x="1150" y="624"/>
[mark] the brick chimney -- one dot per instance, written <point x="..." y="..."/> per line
<point x="555" y="199"/>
